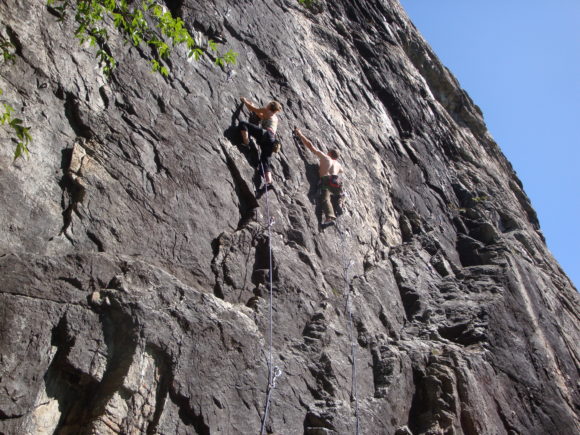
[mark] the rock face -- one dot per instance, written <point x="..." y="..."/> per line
<point x="134" y="251"/>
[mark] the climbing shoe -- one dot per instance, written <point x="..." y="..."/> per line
<point x="328" y="222"/>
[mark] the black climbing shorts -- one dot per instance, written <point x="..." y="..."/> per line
<point x="253" y="129"/>
<point x="265" y="139"/>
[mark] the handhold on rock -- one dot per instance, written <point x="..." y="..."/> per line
<point x="95" y="299"/>
<point x="118" y="283"/>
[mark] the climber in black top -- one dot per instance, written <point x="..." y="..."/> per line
<point x="265" y="135"/>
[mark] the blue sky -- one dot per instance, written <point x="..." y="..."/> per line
<point x="519" y="60"/>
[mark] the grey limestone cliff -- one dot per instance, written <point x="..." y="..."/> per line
<point x="134" y="250"/>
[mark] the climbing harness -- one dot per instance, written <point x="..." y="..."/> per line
<point x="273" y="372"/>
<point x="346" y="265"/>
<point x="334" y="182"/>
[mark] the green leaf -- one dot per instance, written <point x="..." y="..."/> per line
<point x="230" y="57"/>
<point x="163" y="50"/>
<point x="196" y="53"/>
<point x="307" y="3"/>
<point x="81" y="30"/>
<point x="190" y="42"/>
<point x="119" y="20"/>
<point x="158" y="11"/>
<point x="136" y="37"/>
<point x="20" y="150"/>
<point x="212" y="45"/>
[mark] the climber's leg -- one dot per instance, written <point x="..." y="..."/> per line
<point x="327" y="206"/>
<point x="248" y="128"/>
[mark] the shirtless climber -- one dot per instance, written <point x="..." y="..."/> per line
<point x="329" y="170"/>
<point x="265" y="135"/>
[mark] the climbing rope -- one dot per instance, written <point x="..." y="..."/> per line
<point x="273" y="372"/>
<point x="346" y="265"/>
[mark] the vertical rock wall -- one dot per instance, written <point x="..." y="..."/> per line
<point x="134" y="252"/>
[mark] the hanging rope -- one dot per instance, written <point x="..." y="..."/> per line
<point x="346" y="265"/>
<point x="273" y="372"/>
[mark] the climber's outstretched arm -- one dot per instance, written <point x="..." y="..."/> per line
<point x="307" y="143"/>
<point x="261" y="112"/>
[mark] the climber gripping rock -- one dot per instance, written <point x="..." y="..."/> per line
<point x="329" y="171"/>
<point x="265" y="135"/>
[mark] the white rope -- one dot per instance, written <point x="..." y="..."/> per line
<point x="273" y="372"/>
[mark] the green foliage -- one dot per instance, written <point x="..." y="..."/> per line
<point x="307" y="3"/>
<point x="228" y="58"/>
<point x="144" y="22"/>
<point x="6" y="48"/>
<point x="480" y="198"/>
<point x="22" y="133"/>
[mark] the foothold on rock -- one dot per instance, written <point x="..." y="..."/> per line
<point x="403" y="430"/>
